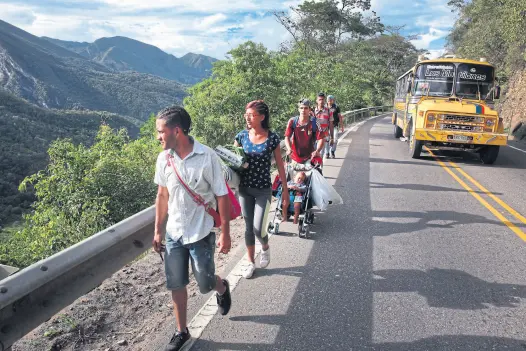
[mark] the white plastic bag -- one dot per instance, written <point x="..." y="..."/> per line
<point x="322" y="192"/>
<point x="336" y="199"/>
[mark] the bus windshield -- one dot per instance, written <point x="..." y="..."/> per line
<point x="434" y="79"/>
<point x="474" y="81"/>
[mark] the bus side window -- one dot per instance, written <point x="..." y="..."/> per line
<point x="408" y="85"/>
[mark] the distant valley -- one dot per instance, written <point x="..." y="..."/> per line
<point x="26" y="132"/>
<point x="118" y="75"/>
<point x="124" y="54"/>
<point x="53" y="89"/>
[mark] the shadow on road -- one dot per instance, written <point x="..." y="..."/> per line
<point x="422" y="187"/>
<point x="425" y="220"/>
<point x="506" y="158"/>
<point x="455" y="342"/>
<point x="332" y="305"/>
<point x="442" y="343"/>
<point x="449" y="288"/>
<point x="405" y="162"/>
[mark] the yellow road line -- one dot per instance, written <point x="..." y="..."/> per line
<point x="492" y="209"/>
<point x="490" y="194"/>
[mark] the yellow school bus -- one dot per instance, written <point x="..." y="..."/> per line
<point x="448" y="103"/>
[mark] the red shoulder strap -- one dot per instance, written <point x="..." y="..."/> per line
<point x="196" y="197"/>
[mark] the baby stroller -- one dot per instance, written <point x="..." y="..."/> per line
<point x="306" y="217"/>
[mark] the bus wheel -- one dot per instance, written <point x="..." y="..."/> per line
<point x="489" y="154"/>
<point x="415" y="146"/>
<point x="398" y="132"/>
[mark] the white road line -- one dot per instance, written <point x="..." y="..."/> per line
<point x="516" y="148"/>
<point x="355" y="127"/>
<point x="205" y="315"/>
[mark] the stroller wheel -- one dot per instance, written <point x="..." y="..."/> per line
<point x="309" y="217"/>
<point x="273" y="228"/>
<point x="301" y="229"/>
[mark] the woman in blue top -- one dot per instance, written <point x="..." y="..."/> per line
<point x="255" y="192"/>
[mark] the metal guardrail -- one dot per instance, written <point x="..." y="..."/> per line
<point x="33" y="295"/>
<point x="357" y="115"/>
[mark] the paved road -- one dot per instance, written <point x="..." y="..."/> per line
<point x="411" y="261"/>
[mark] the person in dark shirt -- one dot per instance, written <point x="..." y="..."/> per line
<point x="338" y="121"/>
<point x="259" y="144"/>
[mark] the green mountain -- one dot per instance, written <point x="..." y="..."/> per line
<point x="124" y="54"/>
<point x="52" y="76"/>
<point x="27" y="130"/>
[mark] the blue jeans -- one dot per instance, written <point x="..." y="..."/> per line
<point x="178" y="257"/>
<point x="327" y="148"/>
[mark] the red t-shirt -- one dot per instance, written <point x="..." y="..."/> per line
<point x="324" y="116"/>
<point x="303" y="138"/>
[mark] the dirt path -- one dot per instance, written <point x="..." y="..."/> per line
<point x="122" y="312"/>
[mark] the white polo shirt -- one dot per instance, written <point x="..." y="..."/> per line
<point x="202" y="172"/>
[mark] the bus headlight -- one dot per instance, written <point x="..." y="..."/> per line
<point x="431" y="118"/>
<point x="490" y="122"/>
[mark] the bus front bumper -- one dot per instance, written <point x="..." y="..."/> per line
<point x="462" y="138"/>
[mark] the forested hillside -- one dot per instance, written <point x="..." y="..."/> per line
<point x="124" y="54"/>
<point x="496" y="30"/>
<point x="52" y="76"/>
<point x="26" y="132"/>
<point x="334" y="49"/>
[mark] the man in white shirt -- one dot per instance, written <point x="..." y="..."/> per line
<point x="185" y="224"/>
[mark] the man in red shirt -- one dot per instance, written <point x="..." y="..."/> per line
<point x="325" y="121"/>
<point x="301" y="135"/>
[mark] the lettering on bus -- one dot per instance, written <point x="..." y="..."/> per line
<point x="472" y="76"/>
<point x="439" y="71"/>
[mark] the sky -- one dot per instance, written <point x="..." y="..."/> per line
<point x="209" y="27"/>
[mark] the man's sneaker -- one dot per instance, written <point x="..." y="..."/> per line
<point x="224" y="301"/>
<point x="264" y="258"/>
<point x="333" y="156"/>
<point x="327" y="156"/>
<point x="248" y="272"/>
<point x="177" y="341"/>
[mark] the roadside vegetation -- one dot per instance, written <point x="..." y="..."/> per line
<point x="334" y="49"/>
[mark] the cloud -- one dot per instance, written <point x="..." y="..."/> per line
<point x="429" y="20"/>
<point x="19" y="14"/>
<point x="211" y="27"/>
<point x="424" y="40"/>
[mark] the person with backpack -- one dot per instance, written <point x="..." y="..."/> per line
<point x="338" y="121"/>
<point x="188" y="175"/>
<point x="302" y="139"/>
<point x="259" y="144"/>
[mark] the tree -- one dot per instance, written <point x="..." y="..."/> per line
<point x="491" y="29"/>
<point x="324" y="25"/>
<point x="82" y="191"/>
